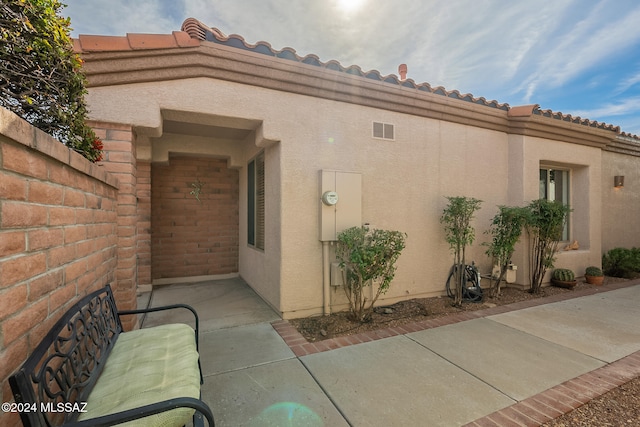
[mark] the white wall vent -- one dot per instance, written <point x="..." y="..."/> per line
<point x="383" y="131"/>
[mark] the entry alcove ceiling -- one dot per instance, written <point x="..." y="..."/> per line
<point x="207" y="125"/>
<point x="193" y="133"/>
<point x="206" y="131"/>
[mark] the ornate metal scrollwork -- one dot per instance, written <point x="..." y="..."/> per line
<point x="79" y="349"/>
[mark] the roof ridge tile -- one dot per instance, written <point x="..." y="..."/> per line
<point x="558" y="115"/>
<point x="133" y="41"/>
<point x="193" y="32"/>
<point x="198" y="30"/>
<point x="630" y="135"/>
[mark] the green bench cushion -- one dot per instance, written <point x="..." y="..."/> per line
<point x="148" y="366"/>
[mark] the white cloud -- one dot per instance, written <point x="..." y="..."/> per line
<point x="628" y="83"/>
<point x="628" y="106"/>
<point x="584" y="45"/>
<point x="516" y="52"/>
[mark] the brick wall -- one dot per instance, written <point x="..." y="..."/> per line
<point x="191" y="237"/>
<point x="120" y="161"/>
<point x="144" y="223"/>
<point x="58" y="237"/>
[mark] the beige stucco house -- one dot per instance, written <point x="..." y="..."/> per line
<point x="229" y="147"/>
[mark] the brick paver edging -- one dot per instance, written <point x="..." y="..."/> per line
<point x="532" y="411"/>
<point x="565" y="397"/>
<point x="301" y="347"/>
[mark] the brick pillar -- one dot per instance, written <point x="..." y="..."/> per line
<point x="144" y="223"/>
<point x="120" y="161"/>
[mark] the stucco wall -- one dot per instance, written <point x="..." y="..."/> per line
<point x="621" y="206"/>
<point x="404" y="181"/>
<point x="527" y="154"/>
<point x="404" y="184"/>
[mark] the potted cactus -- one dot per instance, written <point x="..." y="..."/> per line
<point x="563" y="277"/>
<point x="593" y="275"/>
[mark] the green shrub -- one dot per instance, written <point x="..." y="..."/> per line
<point x="621" y="262"/>
<point x="456" y="217"/>
<point x="506" y="228"/>
<point x="563" y="274"/>
<point x="544" y="224"/>
<point x="40" y="76"/>
<point x="368" y="257"/>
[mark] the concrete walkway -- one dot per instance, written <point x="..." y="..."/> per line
<point x="522" y="364"/>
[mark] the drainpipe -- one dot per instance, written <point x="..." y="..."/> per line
<point x="326" y="281"/>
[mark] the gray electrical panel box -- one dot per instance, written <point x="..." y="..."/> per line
<point x="340" y="201"/>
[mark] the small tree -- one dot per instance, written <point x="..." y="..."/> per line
<point x="368" y="258"/>
<point x="40" y="76"/>
<point x="506" y="228"/>
<point x="544" y="224"/>
<point x="456" y="218"/>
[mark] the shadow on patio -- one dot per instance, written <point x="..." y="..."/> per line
<point x="251" y="377"/>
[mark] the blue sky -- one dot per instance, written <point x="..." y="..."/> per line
<point x="579" y="57"/>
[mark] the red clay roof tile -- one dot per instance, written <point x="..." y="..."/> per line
<point x="569" y="118"/>
<point x="151" y="41"/>
<point x="77" y="47"/>
<point x="522" y="110"/>
<point x="103" y="43"/>
<point x="174" y="40"/>
<point x="184" y="39"/>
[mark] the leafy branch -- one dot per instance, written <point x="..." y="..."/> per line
<point x="506" y="228"/>
<point x="41" y="79"/>
<point x="544" y="224"/>
<point x="456" y="218"/>
<point x="368" y="258"/>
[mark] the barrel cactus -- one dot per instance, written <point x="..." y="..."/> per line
<point x="593" y="271"/>
<point x="563" y="274"/>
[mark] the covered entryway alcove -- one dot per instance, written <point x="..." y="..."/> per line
<point x="195" y="195"/>
<point x="198" y="167"/>
<point x="194" y="218"/>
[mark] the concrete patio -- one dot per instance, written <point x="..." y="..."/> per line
<point x="496" y="366"/>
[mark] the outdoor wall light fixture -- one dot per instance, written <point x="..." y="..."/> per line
<point x="618" y="181"/>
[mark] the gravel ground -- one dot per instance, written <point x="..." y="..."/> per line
<point x="619" y="407"/>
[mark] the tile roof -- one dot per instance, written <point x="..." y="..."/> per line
<point x="176" y="39"/>
<point x="569" y="118"/>
<point x="200" y="31"/>
<point x="194" y="31"/>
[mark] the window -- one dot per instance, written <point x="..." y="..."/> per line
<point x="554" y="185"/>
<point x="383" y="130"/>
<point x="255" y="202"/>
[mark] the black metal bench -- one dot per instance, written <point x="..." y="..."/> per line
<point x="88" y="372"/>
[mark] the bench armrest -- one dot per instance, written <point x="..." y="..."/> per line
<point x="162" y="308"/>
<point x="144" y="411"/>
